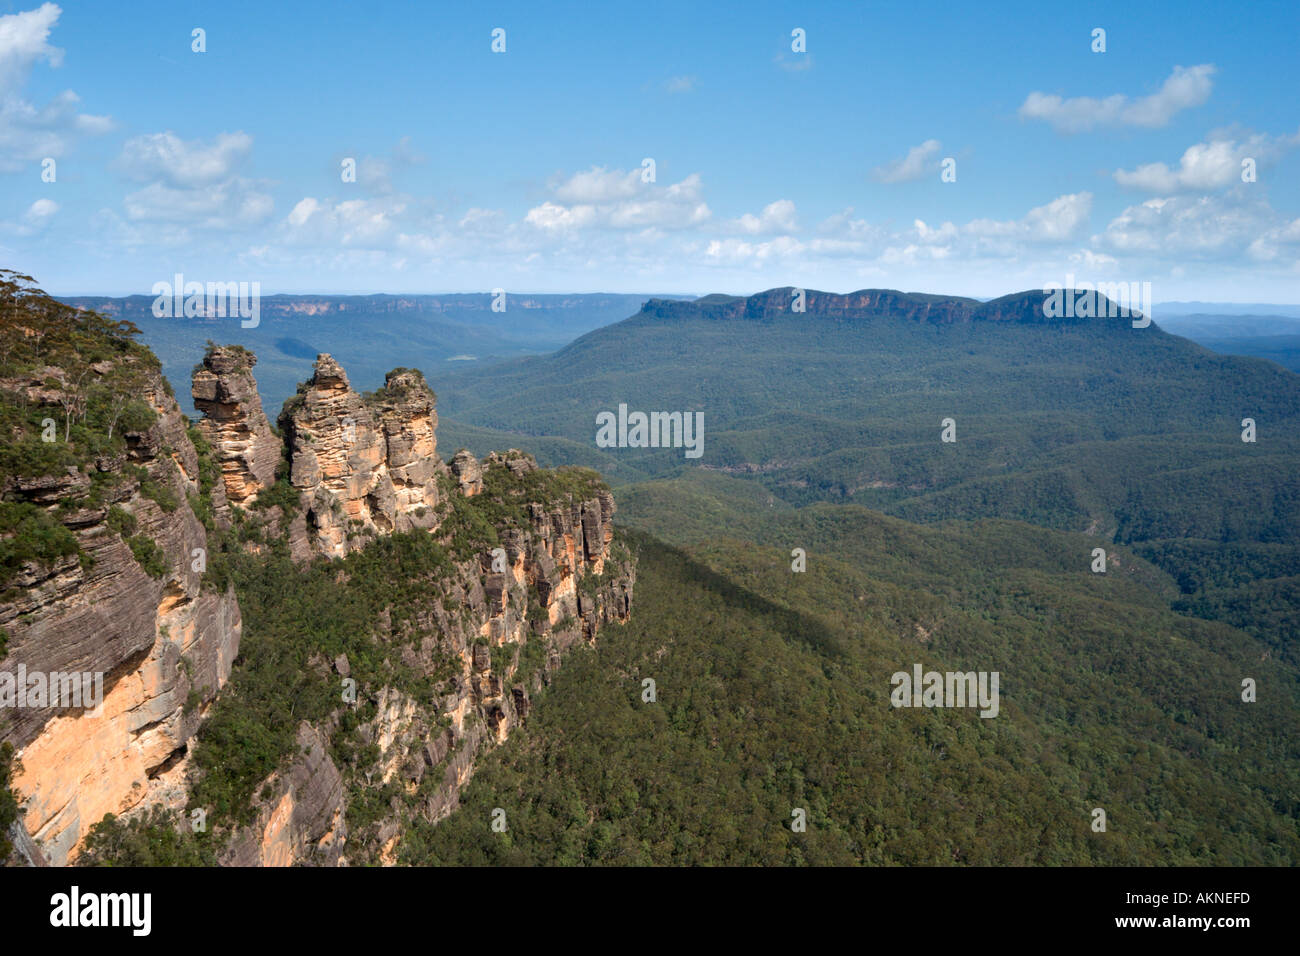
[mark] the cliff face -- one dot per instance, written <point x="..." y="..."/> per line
<point x="492" y="630"/>
<point x="234" y="424"/>
<point x="551" y="586"/>
<point x="163" y="644"/>
<point x="364" y="468"/>
<point x="526" y="567"/>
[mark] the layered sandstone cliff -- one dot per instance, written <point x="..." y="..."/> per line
<point x="492" y="632"/>
<point x="364" y="467"/>
<point x="529" y="571"/>
<point x="515" y="612"/>
<point x="163" y="643"/>
<point x="245" y="447"/>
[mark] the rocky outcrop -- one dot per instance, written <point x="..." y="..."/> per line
<point x="468" y="473"/>
<point x="234" y="424"/>
<point x="301" y="814"/>
<point x="553" y="585"/>
<point x="364" y="468"/>
<point x="161" y="645"/>
<point x="505" y="603"/>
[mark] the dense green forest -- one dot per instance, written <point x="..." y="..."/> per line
<point x="772" y="694"/>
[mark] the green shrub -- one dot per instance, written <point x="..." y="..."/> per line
<point x="121" y="522"/>
<point x="158" y="838"/>
<point x="149" y="556"/>
<point x="29" y="533"/>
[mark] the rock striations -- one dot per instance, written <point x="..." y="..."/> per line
<point x="163" y="643"/>
<point x="498" y="617"/>
<point x="364" y="468"/>
<point x="233" y="423"/>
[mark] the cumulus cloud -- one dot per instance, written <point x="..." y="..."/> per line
<point x="680" y="84"/>
<point x="24" y="40"/>
<point x="229" y="205"/>
<point x="776" y="217"/>
<point x="1280" y="242"/>
<point x="192" y="184"/>
<point x="370" y="223"/>
<point x="1209" y="165"/>
<point x="33" y="219"/>
<point x="30" y="133"/>
<point x="39" y="211"/>
<point x="617" y="199"/>
<point x="1196" y="226"/>
<point x="181" y="164"/>
<point x="1184" y="88"/>
<point x="1060" y="220"/>
<point x="911" y="167"/>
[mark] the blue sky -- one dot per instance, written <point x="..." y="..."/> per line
<point x="523" y="170"/>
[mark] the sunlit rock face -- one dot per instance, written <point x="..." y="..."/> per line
<point x="364" y="467"/>
<point x="164" y="645"/>
<point x="234" y="424"/>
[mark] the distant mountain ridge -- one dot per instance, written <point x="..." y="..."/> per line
<point x="1027" y="306"/>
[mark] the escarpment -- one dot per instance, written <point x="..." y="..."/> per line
<point x="518" y="566"/>
<point x="123" y="615"/>
<point x="477" y="578"/>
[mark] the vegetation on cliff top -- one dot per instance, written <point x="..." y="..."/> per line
<point x="70" y="384"/>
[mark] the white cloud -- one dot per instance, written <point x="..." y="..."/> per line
<point x="598" y="184"/>
<point x="33" y="220"/>
<point x="182" y="164"/>
<point x="1184" y="88"/>
<point x="776" y="217"/>
<point x="191" y="184"/>
<point x="1202" y="227"/>
<point x="1209" y="165"/>
<point x="373" y="223"/>
<point x="1280" y="242"/>
<point x="29" y="133"/>
<point x="229" y="205"/>
<point x="911" y="167"/>
<point x="1092" y="260"/>
<point x="483" y="221"/>
<point x="23" y="42"/>
<point x="843" y="226"/>
<point x="617" y="199"/>
<point x="1062" y="219"/>
<point x="553" y="216"/>
<point x="680" y="84"/>
<point x="40" y="211"/>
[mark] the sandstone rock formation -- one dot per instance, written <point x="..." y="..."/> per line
<point x="301" y="812"/>
<point x="468" y="472"/>
<point x="234" y="424"/>
<point x="500" y="614"/>
<point x="164" y="645"/>
<point x="565" y="558"/>
<point x="364" y="468"/>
